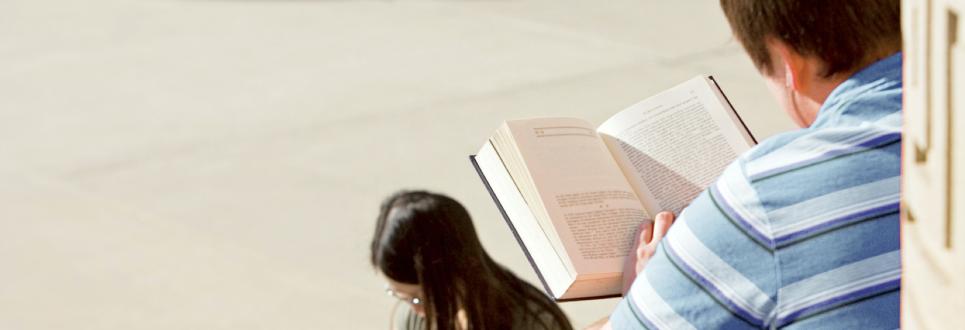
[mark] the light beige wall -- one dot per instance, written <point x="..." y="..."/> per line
<point x="933" y="232"/>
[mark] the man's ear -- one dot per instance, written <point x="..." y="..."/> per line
<point x="796" y="67"/>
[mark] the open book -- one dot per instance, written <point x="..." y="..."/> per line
<point x="574" y="194"/>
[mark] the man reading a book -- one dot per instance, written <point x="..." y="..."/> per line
<point x="802" y="230"/>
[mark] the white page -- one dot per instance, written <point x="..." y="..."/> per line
<point x="675" y="144"/>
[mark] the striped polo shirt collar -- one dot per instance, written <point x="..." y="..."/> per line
<point x="878" y="76"/>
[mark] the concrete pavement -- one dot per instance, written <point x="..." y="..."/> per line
<point x="188" y="164"/>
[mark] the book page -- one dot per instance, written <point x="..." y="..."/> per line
<point x="674" y="145"/>
<point x="584" y="195"/>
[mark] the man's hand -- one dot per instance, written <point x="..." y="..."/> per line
<point x="644" y="247"/>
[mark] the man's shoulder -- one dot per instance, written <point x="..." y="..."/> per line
<point x="837" y="150"/>
<point x="794" y="182"/>
<point x="799" y="148"/>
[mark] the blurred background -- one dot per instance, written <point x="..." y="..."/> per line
<point x="218" y="164"/>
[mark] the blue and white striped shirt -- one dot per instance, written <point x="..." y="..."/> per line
<point x="799" y="232"/>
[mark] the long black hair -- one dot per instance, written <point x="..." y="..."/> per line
<point x="428" y="239"/>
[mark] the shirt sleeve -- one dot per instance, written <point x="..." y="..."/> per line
<point x="708" y="272"/>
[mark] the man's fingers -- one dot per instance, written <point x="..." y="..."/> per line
<point x="644" y="240"/>
<point x="630" y="265"/>
<point x="660" y="226"/>
<point x="647" y="233"/>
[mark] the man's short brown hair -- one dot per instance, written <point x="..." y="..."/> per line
<point x="845" y="34"/>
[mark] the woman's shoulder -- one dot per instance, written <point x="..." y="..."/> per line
<point x="537" y="318"/>
<point x="408" y="320"/>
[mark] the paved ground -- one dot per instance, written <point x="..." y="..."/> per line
<point x="189" y="164"/>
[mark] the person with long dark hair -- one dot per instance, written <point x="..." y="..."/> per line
<point x="427" y="250"/>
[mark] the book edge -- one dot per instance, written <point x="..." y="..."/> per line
<point x="732" y="109"/>
<point x="519" y="240"/>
